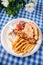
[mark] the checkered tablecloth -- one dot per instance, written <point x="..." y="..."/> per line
<point x="36" y="16"/>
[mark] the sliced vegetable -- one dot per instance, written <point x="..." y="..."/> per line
<point x="19" y="27"/>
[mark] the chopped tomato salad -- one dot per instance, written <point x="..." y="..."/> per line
<point x="19" y="27"/>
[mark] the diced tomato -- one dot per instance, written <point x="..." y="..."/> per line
<point x="19" y="27"/>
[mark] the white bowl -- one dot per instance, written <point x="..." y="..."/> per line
<point x="7" y="46"/>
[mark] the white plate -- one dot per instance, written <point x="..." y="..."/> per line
<point x="7" y="46"/>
